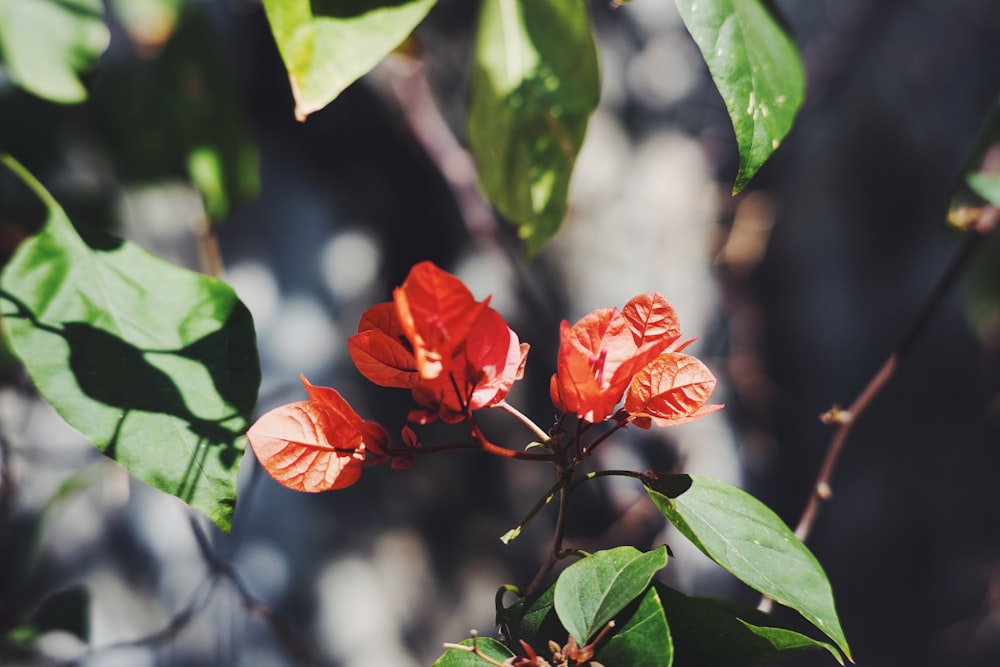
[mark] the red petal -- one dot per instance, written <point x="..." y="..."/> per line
<point x="671" y="389"/>
<point x="651" y="319"/>
<point x="436" y="311"/>
<point x="378" y="349"/>
<point x="293" y="444"/>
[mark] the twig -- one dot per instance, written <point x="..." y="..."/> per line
<point x="208" y="247"/>
<point x="564" y="494"/>
<point x="845" y="419"/>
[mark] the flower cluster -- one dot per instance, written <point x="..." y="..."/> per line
<point x="457" y="355"/>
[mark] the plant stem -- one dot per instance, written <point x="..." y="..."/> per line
<point x="987" y="222"/>
<point x="599" y="439"/>
<point x="565" y="491"/>
<point x="532" y="426"/>
<point x="542" y="502"/>
<point x="605" y="473"/>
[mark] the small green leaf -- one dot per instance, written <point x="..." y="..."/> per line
<point x="329" y="44"/>
<point x="46" y="44"/>
<point x="642" y="638"/>
<point x="591" y="592"/>
<point x="746" y="538"/>
<point x="713" y="632"/>
<point x="535" y="83"/>
<point x="156" y="364"/>
<point x="755" y="66"/>
<point x="456" y="657"/>
<point x="534" y="620"/>
<point x="986" y="186"/>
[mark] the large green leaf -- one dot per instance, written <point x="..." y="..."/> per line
<point x="535" y="83"/>
<point x="643" y="639"/>
<point x="456" y="657"/>
<point x="329" y="44"/>
<point x="755" y="66"/>
<point x="156" y="364"/>
<point x="746" y="538"/>
<point x="46" y="44"/>
<point x="714" y="633"/>
<point x="592" y="591"/>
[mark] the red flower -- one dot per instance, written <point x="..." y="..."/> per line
<point x="453" y="352"/>
<point x="599" y="355"/>
<point x="316" y="445"/>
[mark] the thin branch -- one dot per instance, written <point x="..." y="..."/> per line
<point x="846" y="419"/>
<point x="208" y="247"/>
<point x="564" y="494"/>
<point x="532" y="426"/>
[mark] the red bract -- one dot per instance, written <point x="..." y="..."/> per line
<point x="453" y="352"/>
<point x="599" y="355"/>
<point x="316" y="445"/>
<point x="436" y="311"/>
<point x="671" y="389"/>
<point x="480" y="373"/>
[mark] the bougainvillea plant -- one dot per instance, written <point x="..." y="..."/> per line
<point x="615" y="369"/>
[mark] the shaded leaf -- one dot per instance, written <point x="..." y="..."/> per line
<point x="642" y="637"/>
<point x="328" y="44"/>
<point x="534" y="620"/>
<point x="592" y="591"/>
<point x="46" y="44"/>
<point x="454" y="657"/>
<point x="155" y="364"/>
<point x="746" y="538"/>
<point x="714" y="633"/>
<point x="535" y="82"/>
<point x="755" y="66"/>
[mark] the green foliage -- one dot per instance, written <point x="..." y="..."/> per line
<point x="745" y="537"/>
<point x="328" y="44"/>
<point x="591" y="592"/>
<point x="46" y="44"/>
<point x="535" y="83"/>
<point x="715" y="633"/>
<point x="155" y="364"/>
<point x="756" y="68"/>
<point x="644" y="639"/>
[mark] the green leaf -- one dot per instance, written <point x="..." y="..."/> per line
<point x="46" y="44"/>
<point x="534" y="620"/>
<point x="755" y="66"/>
<point x="591" y="592"/>
<point x="746" y="538"/>
<point x="329" y="44"/>
<point x="156" y="364"/>
<point x="986" y="186"/>
<point x="535" y="83"/>
<point x="455" y="657"/>
<point x="716" y="633"/>
<point x="643" y="638"/>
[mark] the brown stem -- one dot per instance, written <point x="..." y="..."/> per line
<point x="566" y="477"/>
<point x="208" y="248"/>
<point x="845" y="419"/>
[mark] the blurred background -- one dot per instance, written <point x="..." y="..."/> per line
<point x="797" y="290"/>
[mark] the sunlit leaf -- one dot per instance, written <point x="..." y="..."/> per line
<point x="328" y="44"/>
<point x="651" y="318"/>
<point x="592" y="591"/>
<point x="155" y="364"/>
<point x="671" y="389"/>
<point x="315" y="445"/>
<point x="755" y="66"/>
<point x="746" y="538"/>
<point x="46" y="44"/>
<point x="715" y="632"/>
<point x="455" y="657"/>
<point x="535" y="83"/>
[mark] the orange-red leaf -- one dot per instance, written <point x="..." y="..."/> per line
<point x="652" y="319"/>
<point x="672" y="389"/>
<point x="379" y="350"/>
<point x="315" y="445"/>
<point x="435" y="311"/>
